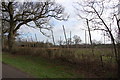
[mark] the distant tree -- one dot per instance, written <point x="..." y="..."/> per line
<point x="17" y="14"/>
<point x="60" y="41"/>
<point x="96" y="42"/>
<point x="76" y="39"/>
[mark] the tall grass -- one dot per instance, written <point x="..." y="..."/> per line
<point x="76" y="56"/>
<point x="71" y="55"/>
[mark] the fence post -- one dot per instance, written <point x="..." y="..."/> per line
<point x="101" y="59"/>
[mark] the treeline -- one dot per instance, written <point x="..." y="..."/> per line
<point x="50" y="45"/>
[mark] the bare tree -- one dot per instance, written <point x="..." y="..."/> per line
<point x="60" y="41"/>
<point x="96" y="12"/>
<point x="77" y="40"/>
<point x="17" y="14"/>
<point x="118" y="36"/>
<point x="96" y="42"/>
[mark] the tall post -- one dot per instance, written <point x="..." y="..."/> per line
<point x="104" y="37"/>
<point x="65" y="36"/>
<point x="53" y="37"/>
<point x="70" y="39"/>
<point x="60" y="41"/>
<point x="85" y="39"/>
<point x="31" y="39"/>
<point x="36" y="38"/>
<point x="90" y="36"/>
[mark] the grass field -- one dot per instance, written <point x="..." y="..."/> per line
<point x="39" y="67"/>
<point x="64" y="63"/>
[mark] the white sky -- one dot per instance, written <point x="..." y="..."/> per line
<point x="73" y="24"/>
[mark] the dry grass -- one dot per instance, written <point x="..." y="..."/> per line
<point x="80" y="56"/>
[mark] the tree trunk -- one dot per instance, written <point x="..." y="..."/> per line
<point x="11" y="39"/>
<point x="114" y="45"/>
<point x="11" y="34"/>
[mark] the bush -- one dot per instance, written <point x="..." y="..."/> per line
<point x="70" y="55"/>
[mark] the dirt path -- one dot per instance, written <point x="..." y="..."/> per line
<point x="12" y="72"/>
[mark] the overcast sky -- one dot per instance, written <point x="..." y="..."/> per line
<point x="74" y="24"/>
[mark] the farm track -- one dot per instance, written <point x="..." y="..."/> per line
<point x="12" y="72"/>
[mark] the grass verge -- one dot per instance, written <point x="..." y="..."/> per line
<point x="40" y="67"/>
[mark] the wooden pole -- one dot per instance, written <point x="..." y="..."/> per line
<point x="53" y="37"/>
<point x="85" y="39"/>
<point x="90" y="36"/>
<point x="65" y="36"/>
<point x="60" y="41"/>
<point x="104" y="37"/>
<point x="70" y="39"/>
<point x="36" y="38"/>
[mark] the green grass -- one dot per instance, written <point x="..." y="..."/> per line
<point x="40" y="67"/>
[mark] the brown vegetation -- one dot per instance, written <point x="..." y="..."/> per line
<point x="81" y="58"/>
